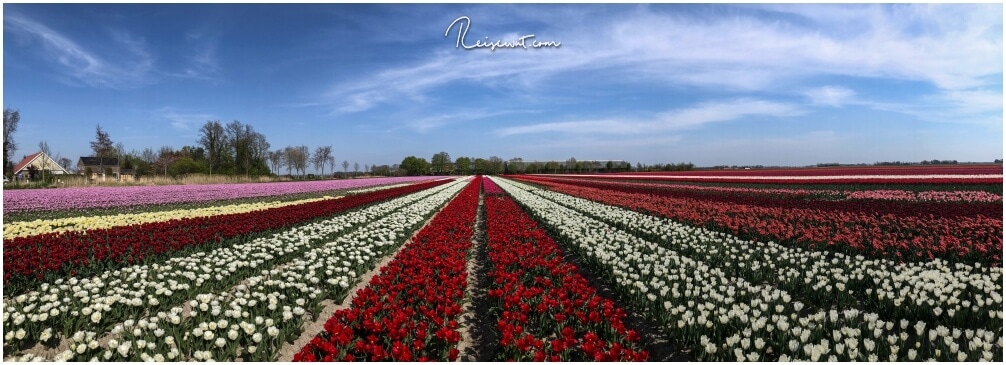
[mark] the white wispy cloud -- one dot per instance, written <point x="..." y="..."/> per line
<point x="182" y="120"/>
<point x="201" y="60"/>
<point x="680" y="119"/>
<point x="830" y="95"/>
<point x="426" y="124"/>
<point x="130" y="65"/>
<point x="743" y="52"/>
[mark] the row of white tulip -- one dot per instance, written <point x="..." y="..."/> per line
<point x="936" y="292"/>
<point x="97" y="304"/>
<point x="376" y="188"/>
<point x="254" y="319"/>
<point x="727" y="318"/>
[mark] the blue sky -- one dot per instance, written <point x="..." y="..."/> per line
<point x="710" y="84"/>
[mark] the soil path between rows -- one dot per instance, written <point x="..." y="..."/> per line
<point x="472" y="326"/>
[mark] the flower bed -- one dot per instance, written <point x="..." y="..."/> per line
<point x="252" y="320"/>
<point x="821" y="278"/>
<point x="865" y="202"/>
<point x="48" y="226"/>
<point x="965" y="238"/>
<point x="548" y="311"/>
<point x="88" y="305"/>
<point x="770" y="191"/>
<point x="724" y="317"/>
<point x="28" y="260"/>
<point x="102" y="197"/>
<point x="409" y="311"/>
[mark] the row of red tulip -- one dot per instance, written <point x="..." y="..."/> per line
<point x="28" y="260"/>
<point x="956" y="238"/>
<point x="947" y="209"/>
<point x="547" y="310"/>
<point x="819" y="180"/>
<point x="831" y="194"/>
<point x="409" y="311"/>
<point x="990" y="169"/>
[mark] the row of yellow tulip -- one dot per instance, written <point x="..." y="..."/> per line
<point x="43" y="226"/>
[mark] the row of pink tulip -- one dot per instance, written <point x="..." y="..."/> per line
<point x="106" y="197"/>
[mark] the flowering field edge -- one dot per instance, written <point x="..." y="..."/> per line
<point x="94" y="251"/>
<point x="732" y="335"/>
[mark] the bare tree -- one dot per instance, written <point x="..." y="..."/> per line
<point x="345" y="167"/>
<point x="165" y="157"/>
<point x="290" y="156"/>
<point x="303" y="156"/>
<point x="44" y="147"/>
<point x="356" y="168"/>
<point x="65" y="163"/>
<point x="214" y="140"/>
<point x="259" y="153"/>
<point x="10" y="119"/>
<point x="331" y="165"/>
<point x="321" y="156"/>
<point x="148" y="155"/>
<point x="296" y="159"/>
<point x="276" y="160"/>
<point x="102" y="146"/>
<point x="120" y="150"/>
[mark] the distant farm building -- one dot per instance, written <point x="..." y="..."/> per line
<point x="107" y="167"/>
<point x="37" y="164"/>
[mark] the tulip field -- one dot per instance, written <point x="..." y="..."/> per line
<point x="840" y="264"/>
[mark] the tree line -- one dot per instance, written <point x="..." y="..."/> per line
<point x="236" y="148"/>
<point x="442" y="164"/>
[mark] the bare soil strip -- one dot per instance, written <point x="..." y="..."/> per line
<point x="482" y="340"/>
<point x="472" y="290"/>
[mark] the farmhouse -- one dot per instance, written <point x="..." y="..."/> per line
<point x="98" y="168"/>
<point x="36" y="164"/>
<point x="127" y="174"/>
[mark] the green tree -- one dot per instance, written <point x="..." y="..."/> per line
<point x="463" y="165"/>
<point x="495" y="165"/>
<point x="441" y="163"/>
<point x="380" y="170"/>
<point x="415" y="166"/>
<point x="482" y="166"/>
<point x="187" y="165"/>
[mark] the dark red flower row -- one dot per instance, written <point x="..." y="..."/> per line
<point x="900" y="208"/>
<point x="547" y="310"/>
<point x="841" y="171"/>
<point x="409" y="311"/>
<point x="969" y="239"/>
<point x="29" y="259"/>
<point x="837" y="180"/>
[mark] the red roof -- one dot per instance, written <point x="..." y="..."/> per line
<point x="25" y="162"/>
